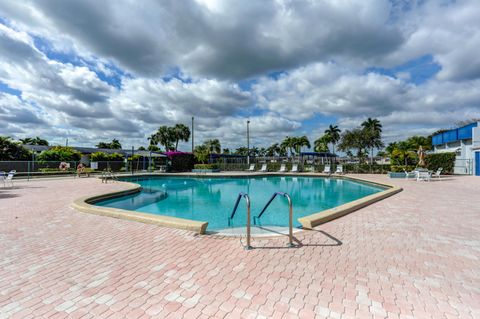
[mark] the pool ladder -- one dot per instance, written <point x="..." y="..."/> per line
<point x="106" y="175"/>
<point x="255" y="218"/>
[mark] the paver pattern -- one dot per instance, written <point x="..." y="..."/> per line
<point x="413" y="255"/>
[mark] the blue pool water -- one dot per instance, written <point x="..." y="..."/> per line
<point x="212" y="199"/>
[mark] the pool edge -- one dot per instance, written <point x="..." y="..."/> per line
<point x="84" y="205"/>
<point x="315" y="219"/>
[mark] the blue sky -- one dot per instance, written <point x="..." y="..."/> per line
<point x="92" y="72"/>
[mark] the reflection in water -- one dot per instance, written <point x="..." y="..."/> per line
<point x="212" y="199"/>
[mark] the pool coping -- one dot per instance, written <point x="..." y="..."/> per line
<point x="86" y="204"/>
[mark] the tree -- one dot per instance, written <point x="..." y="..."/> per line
<point x="354" y="139"/>
<point x="201" y="153"/>
<point x="153" y="148"/>
<point x="114" y="145"/>
<point x="34" y="141"/>
<point x="241" y="151"/>
<point x="213" y="146"/>
<point x="300" y="142"/>
<point x="373" y="134"/>
<point x="12" y="151"/>
<point x="226" y="151"/>
<point x="273" y="150"/>
<point x="288" y="144"/>
<point x="141" y="148"/>
<point x="321" y="144"/>
<point x="164" y="136"/>
<point x="333" y="135"/>
<point x="180" y="132"/>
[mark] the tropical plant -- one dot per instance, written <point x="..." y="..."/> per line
<point x="288" y="144"/>
<point x="241" y="151"/>
<point x="153" y="148"/>
<point x="226" y="151"/>
<point x="12" y="151"/>
<point x="142" y="148"/>
<point x="333" y="135"/>
<point x="60" y="154"/>
<point x="273" y="150"/>
<point x="165" y="136"/>
<point x="201" y="153"/>
<point x="300" y="142"/>
<point x="180" y="132"/>
<point x="321" y="144"/>
<point x="373" y="135"/>
<point x="101" y="156"/>
<point x="354" y="140"/>
<point x="34" y="141"/>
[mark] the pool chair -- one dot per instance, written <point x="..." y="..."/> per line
<point x="327" y="170"/>
<point x="9" y="178"/>
<point x="283" y="168"/>
<point x="294" y="168"/>
<point x="264" y="168"/>
<point x="410" y="174"/>
<point x="423" y="176"/>
<point x="251" y="168"/>
<point x="339" y="169"/>
<point x="3" y="177"/>
<point x="438" y="173"/>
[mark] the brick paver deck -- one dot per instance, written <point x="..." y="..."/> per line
<point x="413" y="255"/>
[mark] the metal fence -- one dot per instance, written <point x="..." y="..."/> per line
<point x="463" y="166"/>
<point x="32" y="169"/>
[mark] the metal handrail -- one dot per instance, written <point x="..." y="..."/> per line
<point x="290" y="216"/>
<point x="247" y="199"/>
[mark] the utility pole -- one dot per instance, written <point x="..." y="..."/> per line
<point x="248" y="142"/>
<point x="193" y="135"/>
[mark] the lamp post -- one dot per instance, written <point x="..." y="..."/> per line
<point x="248" y="142"/>
<point x="193" y="135"/>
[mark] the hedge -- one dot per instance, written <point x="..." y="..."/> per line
<point x="181" y="162"/>
<point x="206" y="166"/>
<point x="444" y="160"/>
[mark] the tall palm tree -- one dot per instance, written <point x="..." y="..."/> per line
<point x="115" y="144"/>
<point x="214" y="146"/>
<point x="181" y="132"/>
<point x="333" y="133"/>
<point x="26" y="141"/>
<point x="165" y="136"/>
<point x="301" y="142"/>
<point x="373" y="130"/>
<point x="288" y="144"/>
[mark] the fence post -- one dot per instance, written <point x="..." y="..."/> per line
<point x="28" y="173"/>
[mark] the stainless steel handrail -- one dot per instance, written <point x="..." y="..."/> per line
<point x="290" y="216"/>
<point x="247" y="199"/>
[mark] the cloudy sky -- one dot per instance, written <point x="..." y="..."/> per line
<point x="95" y="70"/>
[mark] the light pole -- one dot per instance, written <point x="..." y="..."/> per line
<point x="193" y="135"/>
<point x="248" y="142"/>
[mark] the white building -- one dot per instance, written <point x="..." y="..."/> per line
<point x="465" y="142"/>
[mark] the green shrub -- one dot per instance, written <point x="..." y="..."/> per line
<point x="401" y="168"/>
<point x="60" y="154"/>
<point x="445" y="160"/>
<point x="104" y="157"/>
<point x="206" y="166"/>
<point x="13" y="151"/>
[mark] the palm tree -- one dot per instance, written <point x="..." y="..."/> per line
<point x="288" y="144"/>
<point x="373" y="128"/>
<point x="333" y="133"/>
<point x="213" y="146"/>
<point x="115" y="144"/>
<point x="181" y="132"/>
<point x="300" y="142"/>
<point x="321" y="144"/>
<point x="226" y="151"/>
<point x="34" y="141"/>
<point x="165" y="136"/>
<point x="273" y="150"/>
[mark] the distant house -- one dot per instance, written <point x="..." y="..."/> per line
<point x="465" y="142"/>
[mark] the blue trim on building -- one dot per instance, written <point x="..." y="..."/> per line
<point x="461" y="133"/>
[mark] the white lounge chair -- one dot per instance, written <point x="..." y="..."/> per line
<point x="3" y="177"/>
<point x="283" y="168"/>
<point x="251" y="168"/>
<point x="339" y="169"/>
<point x="438" y="173"/>
<point x="423" y="176"/>
<point x="327" y="170"/>
<point x="410" y="174"/>
<point x="9" y="178"/>
<point x="294" y="168"/>
<point x="264" y="168"/>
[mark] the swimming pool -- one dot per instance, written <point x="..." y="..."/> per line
<point x="212" y="199"/>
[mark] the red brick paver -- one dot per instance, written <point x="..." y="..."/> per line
<point x="413" y="255"/>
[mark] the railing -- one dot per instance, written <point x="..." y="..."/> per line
<point x="247" y="199"/>
<point x="106" y="175"/>
<point x="290" y="215"/>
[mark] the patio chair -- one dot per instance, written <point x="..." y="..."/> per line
<point x="339" y="169"/>
<point x="423" y="176"/>
<point x="412" y="174"/>
<point x="9" y="178"/>
<point x="438" y="173"/>
<point x="283" y="168"/>
<point x="264" y="168"/>
<point x="251" y="168"/>
<point x="3" y="177"/>
<point x="294" y="168"/>
<point x="327" y="170"/>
